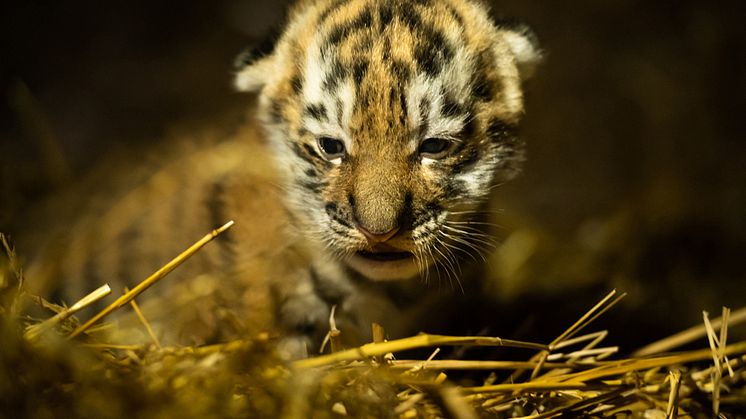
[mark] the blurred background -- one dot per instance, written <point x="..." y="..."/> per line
<point x="636" y="171"/>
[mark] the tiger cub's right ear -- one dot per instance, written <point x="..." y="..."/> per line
<point x="254" y="65"/>
<point x="523" y="44"/>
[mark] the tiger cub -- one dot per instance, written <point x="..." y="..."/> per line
<point x="384" y="125"/>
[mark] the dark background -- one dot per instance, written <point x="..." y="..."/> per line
<point x="634" y="126"/>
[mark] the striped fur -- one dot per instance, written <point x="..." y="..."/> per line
<point x="422" y="98"/>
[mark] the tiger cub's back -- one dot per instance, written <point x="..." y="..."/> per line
<point x="132" y="216"/>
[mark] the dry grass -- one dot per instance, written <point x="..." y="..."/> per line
<point x="54" y="368"/>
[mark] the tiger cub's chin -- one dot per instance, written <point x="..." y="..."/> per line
<point x="384" y="267"/>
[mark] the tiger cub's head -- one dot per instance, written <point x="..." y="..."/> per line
<point x="392" y="120"/>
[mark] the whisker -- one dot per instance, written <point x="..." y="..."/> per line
<point x="481" y="238"/>
<point x="435" y="263"/>
<point x="465" y="243"/>
<point x="479" y="223"/>
<point x="424" y="267"/>
<point x="448" y="248"/>
<point x="454" y="258"/>
<point x="419" y="262"/>
<point x="477" y="212"/>
<point x="448" y="264"/>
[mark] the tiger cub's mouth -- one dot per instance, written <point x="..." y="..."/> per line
<point x="382" y="252"/>
<point x="385" y="256"/>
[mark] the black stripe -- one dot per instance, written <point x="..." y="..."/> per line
<point x="298" y="150"/>
<point x="311" y="151"/>
<point x="340" y="33"/>
<point x="296" y="84"/>
<point x="397" y="99"/>
<point x="386" y="50"/>
<point x="426" y="60"/>
<point x="404" y="110"/>
<point x="314" y="187"/>
<point x="333" y="77"/>
<point x="409" y="16"/>
<point x="331" y="9"/>
<point x="359" y="69"/>
<point x="406" y="214"/>
<point x="452" y="109"/>
<point x="433" y="49"/>
<point x="433" y="52"/>
<point x="343" y="222"/>
<point x="424" y="113"/>
<point x="335" y="214"/>
<point x="385" y="16"/>
<point x="317" y="112"/>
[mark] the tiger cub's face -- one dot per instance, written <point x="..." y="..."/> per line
<point x="392" y="120"/>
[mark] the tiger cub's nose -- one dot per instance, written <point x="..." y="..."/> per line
<point x="378" y="237"/>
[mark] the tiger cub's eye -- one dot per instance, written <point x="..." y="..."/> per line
<point x="434" y="148"/>
<point x="331" y="148"/>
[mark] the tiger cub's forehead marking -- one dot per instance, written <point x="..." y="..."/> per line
<point x="373" y="62"/>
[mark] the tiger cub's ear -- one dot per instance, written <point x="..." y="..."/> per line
<point x="254" y="65"/>
<point x="524" y="45"/>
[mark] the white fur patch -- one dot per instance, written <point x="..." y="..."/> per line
<point x="478" y="179"/>
<point x="527" y="55"/>
<point x="315" y="72"/>
<point x="346" y="93"/>
<point x="254" y="76"/>
<point x="425" y="88"/>
<point x="417" y="90"/>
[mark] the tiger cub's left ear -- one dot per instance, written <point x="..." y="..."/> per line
<point x="524" y="45"/>
<point x="254" y="65"/>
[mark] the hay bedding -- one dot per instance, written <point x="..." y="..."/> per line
<point x="58" y="367"/>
